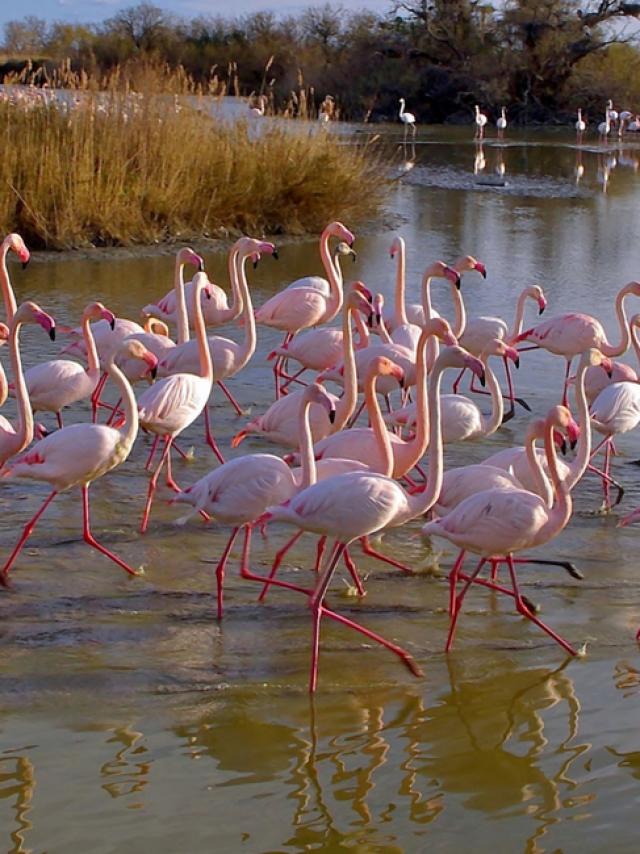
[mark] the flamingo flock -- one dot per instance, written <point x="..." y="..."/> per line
<point x="340" y="472"/>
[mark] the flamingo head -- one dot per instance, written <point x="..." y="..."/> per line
<point x="396" y="246"/>
<point x="96" y="311"/>
<point x="4" y="333"/>
<point x="134" y="349"/>
<point x="16" y="244"/>
<point x="337" y="229"/>
<point x="632" y="288"/>
<point x="29" y="312"/>
<point x="315" y="393"/>
<point x="498" y="347"/>
<point x="443" y="271"/>
<point x="355" y="301"/>
<point x="156" y="327"/>
<point x="363" y="290"/>
<point x="536" y="293"/>
<point x="383" y="367"/>
<point x="378" y="305"/>
<point x="536" y="430"/>
<point x="467" y="263"/>
<point x="440" y="327"/>
<point x="186" y="255"/>
<point x="345" y="249"/>
<point x="458" y="357"/>
<point x="561" y="419"/>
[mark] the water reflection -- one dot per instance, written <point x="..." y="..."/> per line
<point x="125" y="773"/>
<point x="17" y="778"/>
<point x="479" y="160"/>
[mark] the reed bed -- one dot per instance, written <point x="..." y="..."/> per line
<point x="117" y="167"/>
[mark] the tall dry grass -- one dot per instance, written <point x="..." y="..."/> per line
<point x="119" y="168"/>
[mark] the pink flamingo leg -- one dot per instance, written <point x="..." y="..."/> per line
<point x="169" y="477"/>
<point x="59" y="420"/>
<point x="353" y="572"/>
<point x="315" y="603"/>
<point x="294" y="379"/>
<point x="605" y="477"/>
<point x="457" y="605"/>
<point x="230" y="398"/>
<point x="114" y="413"/>
<point x="453" y="581"/>
<point x="320" y="547"/>
<point x="209" y="435"/>
<point x="565" y="390"/>
<point x="277" y="365"/>
<point x="220" y="569"/>
<point x="490" y="585"/>
<point x="153" y="483"/>
<point x="522" y="609"/>
<point x="95" y="397"/>
<point x="277" y="561"/>
<point x="89" y="538"/>
<point x="456" y="382"/>
<point x="26" y="533"/>
<point x="152" y="452"/>
<point x="368" y="549"/>
<point x="355" y="417"/>
<point x="494" y="568"/>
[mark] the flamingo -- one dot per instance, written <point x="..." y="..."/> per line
<point x="580" y="126"/>
<point x="501" y="123"/>
<point x="13" y="440"/>
<point x="604" y="128"/>
<point x="480" y="121"/>
<point x="499" y="522"/>
<point x="598" y="377"/>
<point x="155" y="338"/>
<point x="570" y="334"/>
<point x="356" y="504"/>
<point x="407" y="119"/>
<point x="615" y="410"/>
<point x="78" y="454"/>
<point x="58" y="383"/>
<point x="479" y="331"/>
<point x="278" y="423"/>
<point x="11" y="243"/>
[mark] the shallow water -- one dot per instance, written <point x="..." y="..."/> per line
<point x="132" y="720"/>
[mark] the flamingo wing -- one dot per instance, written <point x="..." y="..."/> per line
<point x="172" y="404"/>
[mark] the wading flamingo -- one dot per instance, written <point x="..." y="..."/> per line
<point x="308" y="301"/>
<point x="279" y="423"/>
<point x="570" y="334"/>
<point x="169" y="406"/>
<point x="580" y="126"/>
<point x="58" y="383"/>
<point x="479" y="331"/>
<point x="11" y="243"/>
<point x="353" y="505"/>
<point x="78" y="454"/>
<point x="501" y="123"/>
<point x="407" y="119"/>
<point x="598" y="378"/>
<point x="13" y="440"/>
<point x="499" y="522"/>
<point x="480" y="122"/>
<point x="615" y="410"/>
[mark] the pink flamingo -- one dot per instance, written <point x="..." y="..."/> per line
<point x="279" y="423"/>
<point x="598" y="378"/>
<point x="499" y="522"/>
<point x="479" y="331"/>
<point x="155" y="338"/>
<point x="11" y="243"/>
<point x="356" y="504"/>
<point x="15" y="439"/>
<point x="169" y="406"/>
<point x="78" y="454"/>
<point x="570" y="334"/>
<point x="615" y="410"/>
<point x="58" y="383"/>
<point x="310" y="301"/>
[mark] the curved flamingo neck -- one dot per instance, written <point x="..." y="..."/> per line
<point x="334" y="277"/>
<point x="182" y="318"/>
<point x="518" y="320"/>
<point x="560" y="513"/>
<point x="130" y="429"/>
<point x="4" y="386"/>
<point x="24" y="429"/>
<point x="383" y="332"/>
<point x="400" y="311"/>
<point x="309" y="472"/>
<point x="407" y="454"/>
<point x="491" y="423"/>
<point x="583" y="454"/>
<point x="433" y="347"/>
<point x="635" y="343"/>
<point x="420" y="502"/>
<point x="250" y="339"/>
<point x="543" y="485"/>
<point x="364" y="336"/>
<point x="204" y="353"/>
<point x="618" y="349"/>
<point x="10" y="304"/>
<point x="237" y="302"/>
<point x="378" y="426"/>
<point x="347" y="403"/>
<point x="93" y="362"/>
<point x="461" y="314"/>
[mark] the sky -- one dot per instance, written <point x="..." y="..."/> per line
<point x="93" y="11"/>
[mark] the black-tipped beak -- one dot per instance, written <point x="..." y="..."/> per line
<point x="332" y="416"/>
<point x="483" y="273"/>
<point x="25" y="264"/>
<point x="516" y="362"/>
<point x="112" y="323"/>
<point x="370" y="321"/>
<point x="378" y="318"/>
<point x="52" y="333"/>
<point x="255" y="265"/>
<point x="401" y="382"/>
<point x="201" y="266"/>
<point x="609" y="373"/>
<point x="483" y="379"/>
<point x="540" y="310"/>
<point x="563" y="447"/>
<point x="354" y="256"/>
<point x="459" y="282"/>
<point x="573" y="444"/>
<point x="154" y="372"/>
<point x="274" y="254"/>
<point x="207" y="294"/>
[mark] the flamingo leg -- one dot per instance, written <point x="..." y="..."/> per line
<point x="357" y="415"/>
<point x="315" y="603"/>
<point x="320" y="547"/>
<point x="368" y="549"/>
<point x="353" y="572"/>
<point x="565" y="390"/>
<point x="180" y="452"/>
<point x="90" y="539"/>
<point x="453" y="581"/>
<point x="153" y="482"/>
<point x="114" y="412"/>
<point x="220" y="569"/>
<point x="457" y="604"/>
<point x="59" y="419"/>
<point x="95" y="397"/>
<point x="152" y="452"/>
<point x="611" y="480"/>
<point x="169" y="477"/>
<point x="230" y="398"/>
<point x="294" y="379"/>
<point x="494" y="568"/>
<point x="208" y="435"/>
<point x="456" y="382"/>
<point x="26" y="533"/>
<point x="522" y="609"/>
<point x="483" y="582"/>
<point x="277" y="561"/>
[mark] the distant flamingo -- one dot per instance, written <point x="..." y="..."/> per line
<point x="15" y="439"/>
<point x="580" y="126"/>
<point x="353" y="505"/>
<point x="499" y="522"/>
<point x="570" y="334"/>
<point x="501" y="123"/>
<point x="11" y="243"/>
<point x="279" y="424"/>
<point x="79" y="454"/>
<point x="407" y="119"/>
<point x="480" y="122"/>
<point x="58" y="383"/>
<point x="309" y="301"/>
<point x="479" y="331"/>
<point x="604" y="128"/>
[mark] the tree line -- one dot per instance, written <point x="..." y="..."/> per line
<point x="540" y="58"/>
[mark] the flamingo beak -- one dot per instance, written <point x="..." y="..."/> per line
<point x="542" y="304"/>
<point x="354" y="256"/>
<point x="274" y="254"/>
<point x="513" y="354"/>
<point x="563" y="447"/>
<point x="481" y="269"/>
<point x="370" y="320"/>
<point x="201" y="266"/>
<point x="25" y="264"/>
<point x="607" y="364"/>
<point x="332" y="416"/>
<point x="453" y="276"/>
<point x="110" y="317"/>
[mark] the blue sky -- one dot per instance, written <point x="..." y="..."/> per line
<point x="91" y="11"/>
